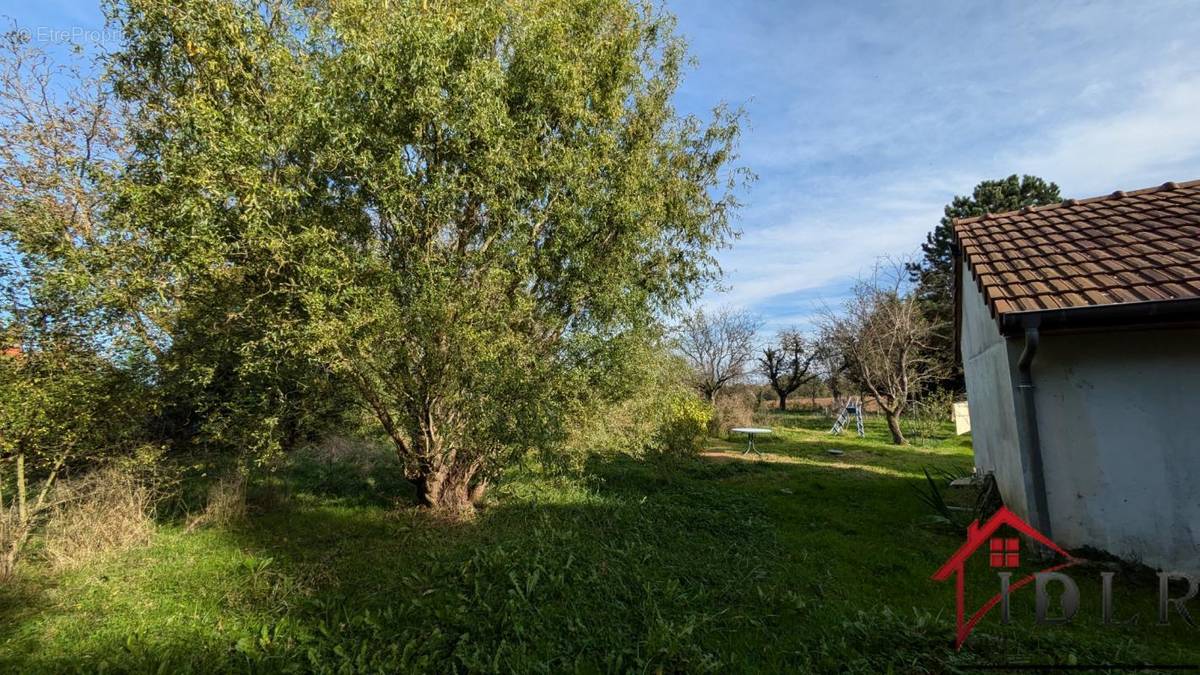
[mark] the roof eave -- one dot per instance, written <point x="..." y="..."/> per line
<point x="1150" y="313"/>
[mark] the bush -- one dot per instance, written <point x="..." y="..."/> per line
<point x="734" y="408"/>
<point x="637" y="421"/>
<point x="926" y="417"/>
<point x="62" y="408"/>
<point x="106" y="510"/>
<point x="683" y="427"/>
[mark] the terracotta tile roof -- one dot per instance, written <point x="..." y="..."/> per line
<point x="1126" y="247"/>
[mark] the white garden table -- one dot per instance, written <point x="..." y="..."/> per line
<point x="750" y="432"/>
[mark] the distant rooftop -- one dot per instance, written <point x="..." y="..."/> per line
<point x="1126" y="247"/>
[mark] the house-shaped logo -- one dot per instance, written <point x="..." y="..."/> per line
<point x="1004" y="552"/>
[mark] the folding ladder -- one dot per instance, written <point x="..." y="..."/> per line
<point x="853" y="407"/>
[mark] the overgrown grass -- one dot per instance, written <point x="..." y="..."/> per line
<point x="806" y="562"/>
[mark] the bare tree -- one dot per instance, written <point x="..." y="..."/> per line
<point x="831" y="366"/>
<point x="787" y="364"/>
<point x="718" y="347"/>
<point x="885" y="339"/>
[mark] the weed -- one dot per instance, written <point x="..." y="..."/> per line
<point x="226" y="503"/>
<point x="106" y="510"/>
<point x="804" y="562"/>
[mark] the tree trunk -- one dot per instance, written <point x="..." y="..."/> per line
<point x="893" y="422"/>
<point x="782" y="401"/>
<point x="450" y="487"/>
<point x="477" y="491"/>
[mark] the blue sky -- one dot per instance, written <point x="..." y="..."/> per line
<point x="865" y="118"/>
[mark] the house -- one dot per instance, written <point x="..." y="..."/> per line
<point x="1078" y="325"/>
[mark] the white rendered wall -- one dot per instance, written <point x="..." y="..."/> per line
<point x="1119" y="418"/>
<point x="989" y="362"/>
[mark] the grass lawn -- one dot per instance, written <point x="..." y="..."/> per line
<point x="804" y="561"/>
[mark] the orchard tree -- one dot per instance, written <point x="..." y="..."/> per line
<point x="934" y="273"/>
<point x="831" y="365"/>
<point x="787" y="364"/>
<point x="884" y="337"/>
<point x="718" y="346"/>
<point x="471" y="212"/>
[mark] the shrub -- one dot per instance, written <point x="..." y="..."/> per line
<point x="683" y="427"/>
<point x="734" y="408"/>
<point x="106" y="510"/>
<point x="63" y="408"/>
<point x="926" y="417"/>
<point x="634" y="422"/>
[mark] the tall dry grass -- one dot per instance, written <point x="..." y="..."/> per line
<point x="732" y="408"/>
<point x="105" y="510"/>
<point x="226" y="503"/>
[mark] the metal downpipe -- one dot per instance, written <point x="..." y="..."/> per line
<point x="1029" y="431"/>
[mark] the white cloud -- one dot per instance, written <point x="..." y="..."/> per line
<point x="813" y="251"/>
<point x="1144" y="144"/>
<point x="845" y="183"/>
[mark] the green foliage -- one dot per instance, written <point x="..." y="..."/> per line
<point x="684" y="427"/>
<point x="959" y="508"/>
<point x="59" y="402"/>
<point x="805" y="563"/>
<point x="61" y="407"/>
<point x="219" y="396"/>
<point x="650" y="414"/>
<point x="470" y="214"/>
<point x="465" y="219"/>
<point x="72" y="278"/>
<point x="931" y="495"/>
<point x="927" y="417"/>
<point x="934" y="274"/>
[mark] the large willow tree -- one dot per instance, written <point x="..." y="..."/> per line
<point x="471" y="211"/>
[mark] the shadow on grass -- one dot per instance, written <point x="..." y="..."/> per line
<point x="553" y="574"/>
<point x="21" y="598"/>
<point x="672" y="567"/>
<point x="696" y="565"/>
<point x="349" y="473"/>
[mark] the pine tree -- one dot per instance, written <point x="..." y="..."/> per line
<point x="934" y="274"/>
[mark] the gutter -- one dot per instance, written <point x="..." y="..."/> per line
<point x="1147" y="313"/>
<point x="1030" y="439"/>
